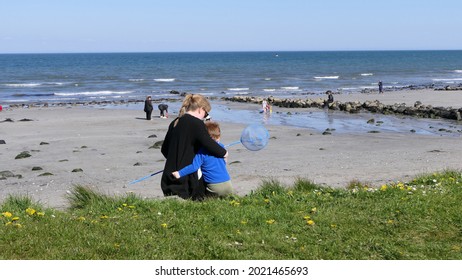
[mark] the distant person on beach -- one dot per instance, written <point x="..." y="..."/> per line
<point x="380" y="87"/>
<point x="266" y="106"/>
<point x="163" y="108"/>
<point x="148" y="107"/>
<point x="216" y="177"/>
<point x="186" y="135"/>
<point x="330" y="98"/>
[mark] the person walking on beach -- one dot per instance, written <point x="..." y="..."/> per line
<point x="148" y="107"/>
<point x="216" y="176"/>
<point x="380" y="87"/>
<point x="330" y="98"/>
<point x="163" y="108"/>
<point x="185" y="136"/>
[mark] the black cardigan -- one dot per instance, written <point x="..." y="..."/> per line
<point x="181" y="144"/>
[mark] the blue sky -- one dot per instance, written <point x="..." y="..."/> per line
<point x="32" y="26"/>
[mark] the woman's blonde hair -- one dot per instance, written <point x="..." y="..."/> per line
<point x="193" y="102"/>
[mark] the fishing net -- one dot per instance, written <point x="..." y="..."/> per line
<point x="255" y="137"/>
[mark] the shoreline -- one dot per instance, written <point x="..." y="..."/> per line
<point x="112" y="148"/>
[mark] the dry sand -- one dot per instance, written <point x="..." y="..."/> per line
<point x="111" y="146"/>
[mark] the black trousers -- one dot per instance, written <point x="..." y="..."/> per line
<point x="148" y="115"/>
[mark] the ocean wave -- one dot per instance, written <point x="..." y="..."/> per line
<point x="290" y="88"/>
<point x="268" y="79"/>
<point x="135" y="80"/>
<point x="24" y="85"/>
<point x="33" y="94"/>
<point x="238" y="89"/>
<point x="103" y="92"/>
<point x="164" y="80"/>
<point x="458" y="71"/>
<point x="367" y="74"/>
<point x="269" y="89"/>
<point x="326" y="77"/>
<point x="27" y="85"/>
<point x="447" y="80"/>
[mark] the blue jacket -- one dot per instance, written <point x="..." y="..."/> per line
<point x="213" y="168"/>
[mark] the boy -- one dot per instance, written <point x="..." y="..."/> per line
<point x="213" y="169"/>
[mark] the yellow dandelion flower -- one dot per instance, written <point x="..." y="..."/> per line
<point x="116" y="245"/>
<point x="383" y="188"/>
<point x="306" y="217"/>
<point x="267" y="200"/>
<point x="30" y="211"/>
<point x="119" y="209"/>
<point x="314" y="210"/>
<point x="244" y="222"/>
<point x="125" y="205"/>
<point x="81" y="219"/>
<point x="7" y="214"/>
<point x="131" y="207"/>
<point x="15" y="219"/>
<point x="18" y="225"/>
<point x="41" y="214"/>
<point x="270" y="222"/>
<point x="238" y="232"/>
<point x="104" y="217"/>
<point x="164" y="225"/>
<point x="333" y="225"/>
<point x="9" y="223"/>
<point x="234" y="203"/>
<point x="310" y="222"/>
<point x="390" y="222"/>
<point x="290" y="193"/>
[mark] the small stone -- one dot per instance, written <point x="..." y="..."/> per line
<point x="46" y="174"/>
<point x="6" y="174"/>
<point x="44" y="143"/>
<point x="152" y="136"/>
<point x="24" y="154"/>
<point x="157" y="145"/>
<point x="77" y="170"/>
<point x="36" y="168"/>
<point x="2" y="142"/>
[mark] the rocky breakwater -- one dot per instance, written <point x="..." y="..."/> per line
<point x="417" y="110"/>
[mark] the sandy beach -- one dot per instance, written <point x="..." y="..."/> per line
<point x="107" y="148"/>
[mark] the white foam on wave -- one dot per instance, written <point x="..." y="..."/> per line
<point x="23" y="85"/>
<point x="238" y="89"/>
<point x="326" y="77"/>
<point x="458" y="71"/>
<point x="348" y="88"/>
<point x="135" y="80"/>
<point x="290" y="88"/>
<point x="269" y="89"/>
<point x="165" y="80"/>
<point x="267" y="79"/>
<point x="367" y="74"/>
<point x="447" y="80"/>
<point x="103" y="92"/>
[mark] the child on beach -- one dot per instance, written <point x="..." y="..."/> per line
<point x="213" y="168"/>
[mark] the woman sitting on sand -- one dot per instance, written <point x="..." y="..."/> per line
<point x="185" y="136"/>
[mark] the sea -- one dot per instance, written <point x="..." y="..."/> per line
<point x="114" y="77"/>
<point x="121" y="76"/>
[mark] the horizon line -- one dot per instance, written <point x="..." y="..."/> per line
<point x="228" y="51"/>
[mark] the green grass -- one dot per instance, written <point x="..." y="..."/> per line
<point x="421" y="219"/>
